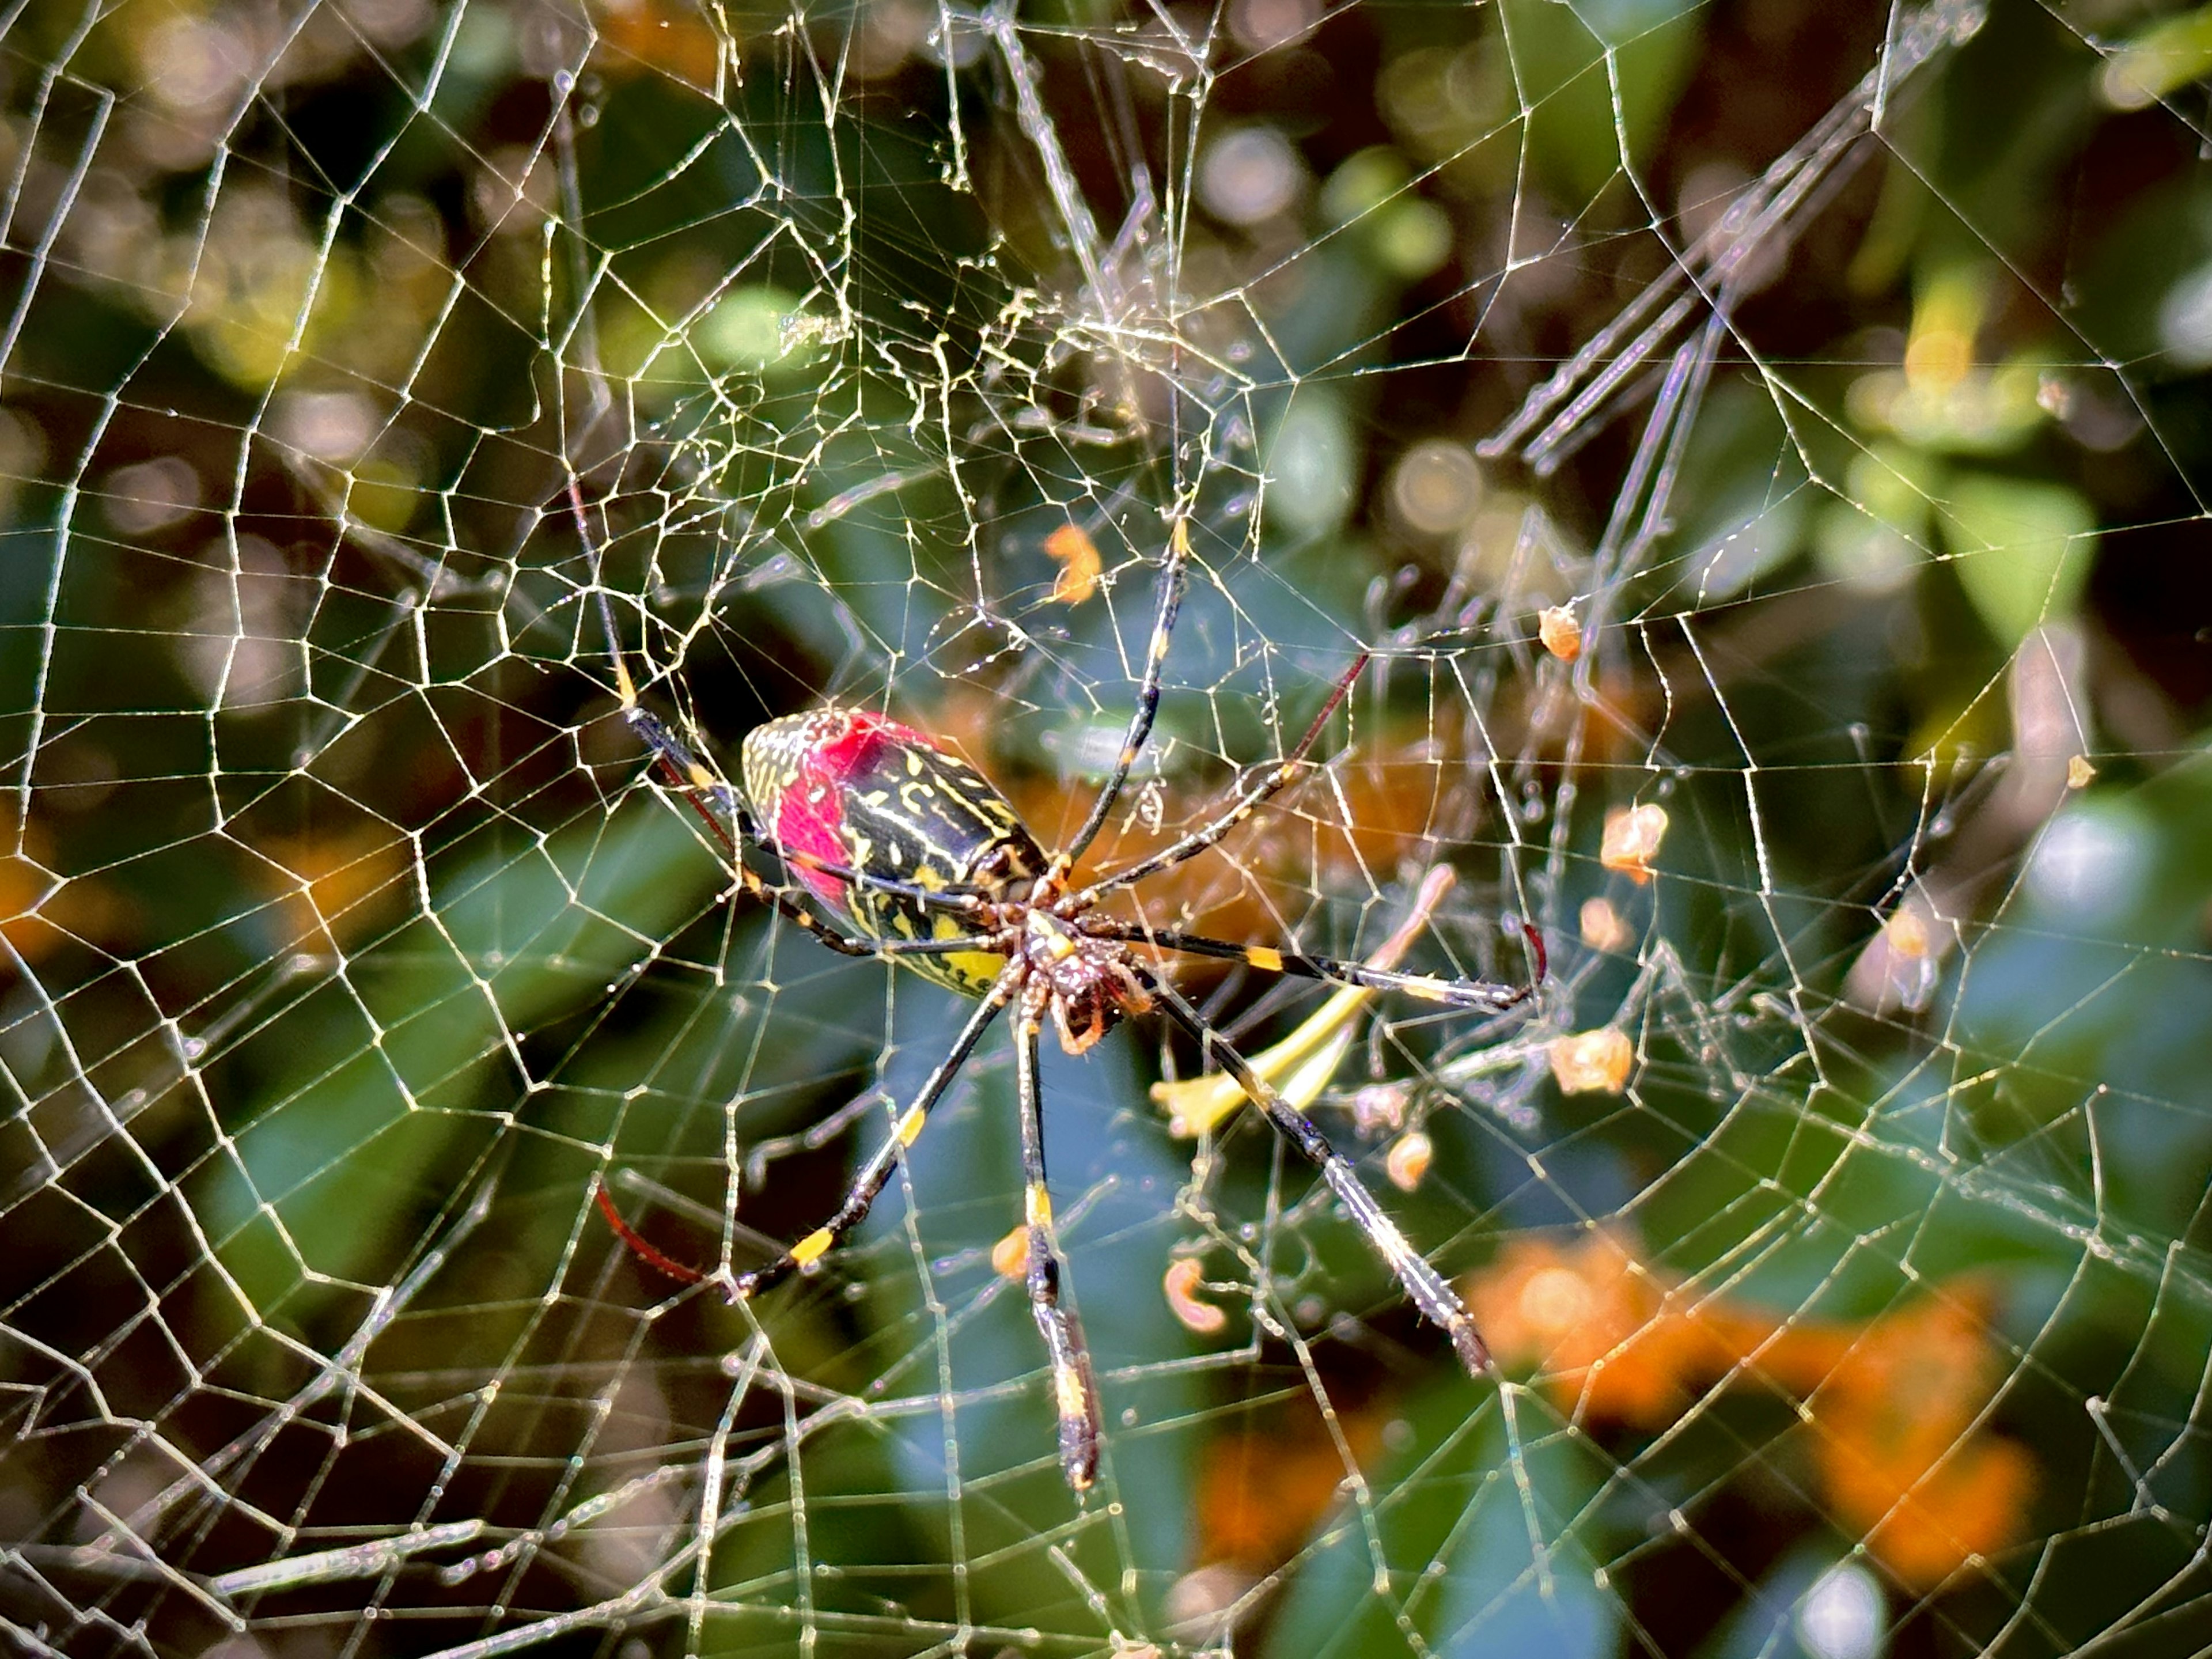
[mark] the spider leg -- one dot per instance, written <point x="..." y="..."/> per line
<point x="1173" y="580"/>
<point x="1455" y="993"/>
<point x="684" y="1273"/>
<point x="955" y="898"/>
<point x="875" y="1175"/>
<point x="1075" y="1394"/>
<point x="1424" y="1286"/>
<point x="641" y="1247"/>
<point x="1270" y="784"/>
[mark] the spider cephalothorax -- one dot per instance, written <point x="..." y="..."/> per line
<point x="932" y="867"/>
<point x="1091" y="981"/>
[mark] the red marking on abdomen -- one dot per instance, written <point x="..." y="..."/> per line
<point x="811" y="816"/>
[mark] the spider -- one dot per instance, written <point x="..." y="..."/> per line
<point x="926" y="862"/>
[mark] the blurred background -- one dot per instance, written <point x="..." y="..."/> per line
<point x="1763" y="448"/>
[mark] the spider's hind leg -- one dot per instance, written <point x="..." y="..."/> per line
<point x="708" y="794"/>
<point x="1173" y="578"/>
<point x="875" y="1175"/>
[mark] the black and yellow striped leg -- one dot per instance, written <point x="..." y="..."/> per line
<point x="1271" y="784"/>
<point x="696" y="781"/>
<point x="909" y="1126"/>
<point x="1424" y="1286"/>
<point x="1173" y="582"/>
<point x="1457" y="993"/>
<point x="875" y="1175"/>
<point x="1075" y="1394"/>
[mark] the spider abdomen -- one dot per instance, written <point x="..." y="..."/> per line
<point x="846" y="786"/>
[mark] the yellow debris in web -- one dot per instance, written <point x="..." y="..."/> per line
<point x="1592" y="1062"/>
<point x="1010" y="1256"/>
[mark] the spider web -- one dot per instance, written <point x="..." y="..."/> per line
<point x="1763" y="451"/>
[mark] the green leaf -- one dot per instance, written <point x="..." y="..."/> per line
<point x="2023" y="550"/>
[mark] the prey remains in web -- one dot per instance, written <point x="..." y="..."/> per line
<point x="924" y="862"/>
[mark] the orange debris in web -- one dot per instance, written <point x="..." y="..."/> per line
<point x="1077" y="555"/>
<point x="1592" y="1062"/>
<point x="1603" y="927"/>
<point x="1891" y="1404"/>
<point x="1181" y="1284"/>
<point x="1561" y="632"/>
<point x="1408" y="1161"/>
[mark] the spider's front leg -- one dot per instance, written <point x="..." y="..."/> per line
<point x="1075" y="1393"/>
<point x="1481" y="993"/>
<point x="698" y="785"/>
<point x="1424" y="1286"/>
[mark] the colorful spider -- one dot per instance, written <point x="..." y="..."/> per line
<point x="928" y="863"/>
